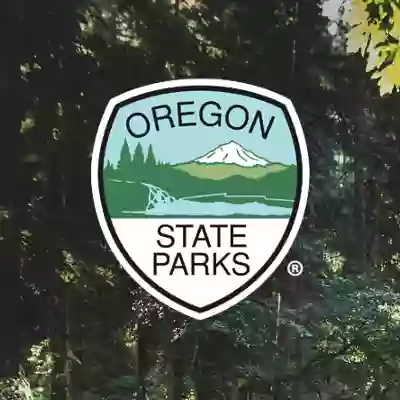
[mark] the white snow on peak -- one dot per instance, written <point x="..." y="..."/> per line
<point x="232" y="153"/>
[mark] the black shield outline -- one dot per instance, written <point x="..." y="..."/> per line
<point x="196" y="85"/>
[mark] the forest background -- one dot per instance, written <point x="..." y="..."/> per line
<point x="73" y="324"/>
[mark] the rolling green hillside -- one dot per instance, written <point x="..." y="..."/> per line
<point x="219" y="171"/>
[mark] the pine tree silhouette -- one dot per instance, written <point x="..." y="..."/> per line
<point x="138" y="157"/>
<point x="125" y="160"/>
<point x="109" y="170"/>
<point x="151" y="159"/>
<point x="138" y="162"/>
<point x="151" y="164"/>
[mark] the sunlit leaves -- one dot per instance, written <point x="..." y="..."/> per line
<point x="375" y="32"/>
<point x="395" y="32"/>
<point x="357" y="39"/>
<point x="357" y="14"/>
<point x="389" y="77"/>
<point x="310" y="333"/>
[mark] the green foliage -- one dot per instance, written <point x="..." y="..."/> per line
<point x="375" y="32"/>
<point x="151" y="159"/>
<point x="138" y="158"/>
<point x="121" y="197"/>
<point x="84" y="329"/>
<point x="123" y="388"/>
<point x="125" y="192"/>
<point x="125" y="159"/>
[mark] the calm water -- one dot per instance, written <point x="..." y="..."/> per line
<point x="187" y="207"/>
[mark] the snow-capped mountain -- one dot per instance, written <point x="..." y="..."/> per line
<point x="232" y="153"/>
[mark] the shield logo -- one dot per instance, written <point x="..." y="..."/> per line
<point x="200" y="187"/>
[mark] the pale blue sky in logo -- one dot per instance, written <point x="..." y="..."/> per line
<point x="182" y="144"/>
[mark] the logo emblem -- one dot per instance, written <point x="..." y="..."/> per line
<point x="200" y="187"/>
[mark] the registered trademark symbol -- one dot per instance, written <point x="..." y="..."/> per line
<point x="295" y="268"/>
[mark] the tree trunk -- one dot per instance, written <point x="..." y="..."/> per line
<point x="177" y="6"/>
<point x="201" y="378"/>
<point x="60" y="347"/>
<point x="278" y="388"/>
<point x="297" y="386"/>
<point x="68" y="351"/>
<point x="12" y="200"/>
<point x="174" y="374"/>
<point x="59" y="388"/>
<point x="140" y="365"/>
<point x="361" y="217"/>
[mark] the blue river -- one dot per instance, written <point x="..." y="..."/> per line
<point x="194" y="208"/>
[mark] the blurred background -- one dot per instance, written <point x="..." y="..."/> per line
<point x="73" y="325"/>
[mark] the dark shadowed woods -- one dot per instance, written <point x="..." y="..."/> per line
<point x="74" y="326"/>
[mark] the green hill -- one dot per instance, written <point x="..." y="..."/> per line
<point x="219" y="171"/>
<point x="179" y="183"/>
<point x="124" y="190"/>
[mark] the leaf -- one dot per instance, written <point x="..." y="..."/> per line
<point x="375" y="59"/>
<point x="363" y="29"/>
<point x="356" y="14"/>
<point x="389" y="77"/>
<point x="377" y="34"/>
<point x="395" y="32"/>
<point x="357" y="39"/>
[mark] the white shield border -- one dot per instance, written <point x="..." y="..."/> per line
<point x="298" y="216"/>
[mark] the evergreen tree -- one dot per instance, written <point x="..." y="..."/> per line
<point x="138" y="157"/>
<point x="151" y="159"/>
<point x="125" y="161"/>
<point x="108" y="170"/>
<point x="288" y="338"/>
